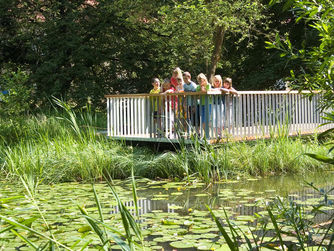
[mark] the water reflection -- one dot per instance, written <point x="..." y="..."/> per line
<point x="242" y="198"/>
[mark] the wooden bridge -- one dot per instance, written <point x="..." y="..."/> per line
<point x="213" y="116"/>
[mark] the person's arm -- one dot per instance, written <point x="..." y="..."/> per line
<point x="225" y="91"/>
<point x="169" y="91"/>
<point x="233" y="91"/>
<point x="198" y="88"/>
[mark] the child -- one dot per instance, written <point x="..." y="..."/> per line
<point x="217" y="82"/>
<point x="155" y="102"/>
<point x="188" y="86"/>
<point x="167" y="87"/>
<point x="169" y="105"/>
<point x="177" y="80"/>
<point x="204" y="86"/>
<point x="228" y="89"/>
<point x="156" y="86"/>
<point x="190" y="107"/>
<point x="227" y="86"/>
<point x="218" y="106"/>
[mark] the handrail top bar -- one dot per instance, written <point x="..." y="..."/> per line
<point x="210" y="92"/>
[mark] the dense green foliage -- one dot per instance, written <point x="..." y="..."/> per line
<point x="82" y="50"/>
<point x="18" y="95"/>
<point x="316" y="72"/>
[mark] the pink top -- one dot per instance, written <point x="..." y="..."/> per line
<point x="174" y="82"/>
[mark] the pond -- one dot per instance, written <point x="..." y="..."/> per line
<point x="173" y="215"/>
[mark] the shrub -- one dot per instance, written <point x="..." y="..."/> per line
<point x="17" y="98"/>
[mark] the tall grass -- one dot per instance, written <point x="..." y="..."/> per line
<point x="287" y="219"/>
<point x="65" y="147"/>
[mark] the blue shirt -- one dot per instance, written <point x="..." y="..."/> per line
<point x="191" y="87"/>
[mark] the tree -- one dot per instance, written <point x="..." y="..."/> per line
<point x="318" y="59"/>
<point x="205" y="25"/>
<point x="81" y="50"/>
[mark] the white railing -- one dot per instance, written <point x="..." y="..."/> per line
<point x="250" y="114"/>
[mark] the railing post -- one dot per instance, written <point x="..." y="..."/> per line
<point x="108" y="117"/>
<point x="207" y="116"/>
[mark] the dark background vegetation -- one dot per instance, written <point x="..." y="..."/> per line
<point x="81" y="50"/>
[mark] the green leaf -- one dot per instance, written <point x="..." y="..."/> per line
<point x="24" y="239"/>
<point x="93" y="225"/>
<point x="277" y="230"/>
<point x="288" y="4"/>
<point x="97" y="201"/>
<point x="134" y="192"/>
<point x="19" y="225"/>
<point x="232" y="245"/>
<point x="321" y="158"/>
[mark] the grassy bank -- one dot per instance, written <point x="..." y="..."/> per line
<point x="65" y="147"/>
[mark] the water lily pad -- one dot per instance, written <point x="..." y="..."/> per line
<point x="188" y="223"/>
<point x="168" y="222"/>
<point x="182" y="244"/>
<point x="252" y="179"/>
<point x="245" y="218"/>
<point x="161" y="195"/>
<point x="249" y="204"/>
<point x="116" y="247"/>
<point x="176" y="193"/>
<point x="192" y="236"/>
<point x="163" y="239"/>
<point x="209" y="236"/>
<point x="270" y="191"/>
<point x="207" y="246"/>
<point x="223" y="247"/>
<point x="84" y="229"/>
<point x="160" y="198"/>
<point x="201" y="195"/>
<point x="200" y="213"/>
<point x="174" y="207"/>
<point x="201" y="231"/>
<point x="156" y="248"/>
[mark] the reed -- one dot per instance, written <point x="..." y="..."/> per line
<point x="283" y="215"/>
<point x="64" y="146"/>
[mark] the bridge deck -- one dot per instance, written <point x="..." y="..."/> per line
<point x="226" y="136"/>
<point x="218" y="117"/>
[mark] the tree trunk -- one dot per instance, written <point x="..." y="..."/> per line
<point x="218" y="40"/>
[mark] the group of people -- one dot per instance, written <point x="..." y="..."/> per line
<point x="181" y="82"/>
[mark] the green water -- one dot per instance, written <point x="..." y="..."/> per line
<point x="169" y="211"/>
